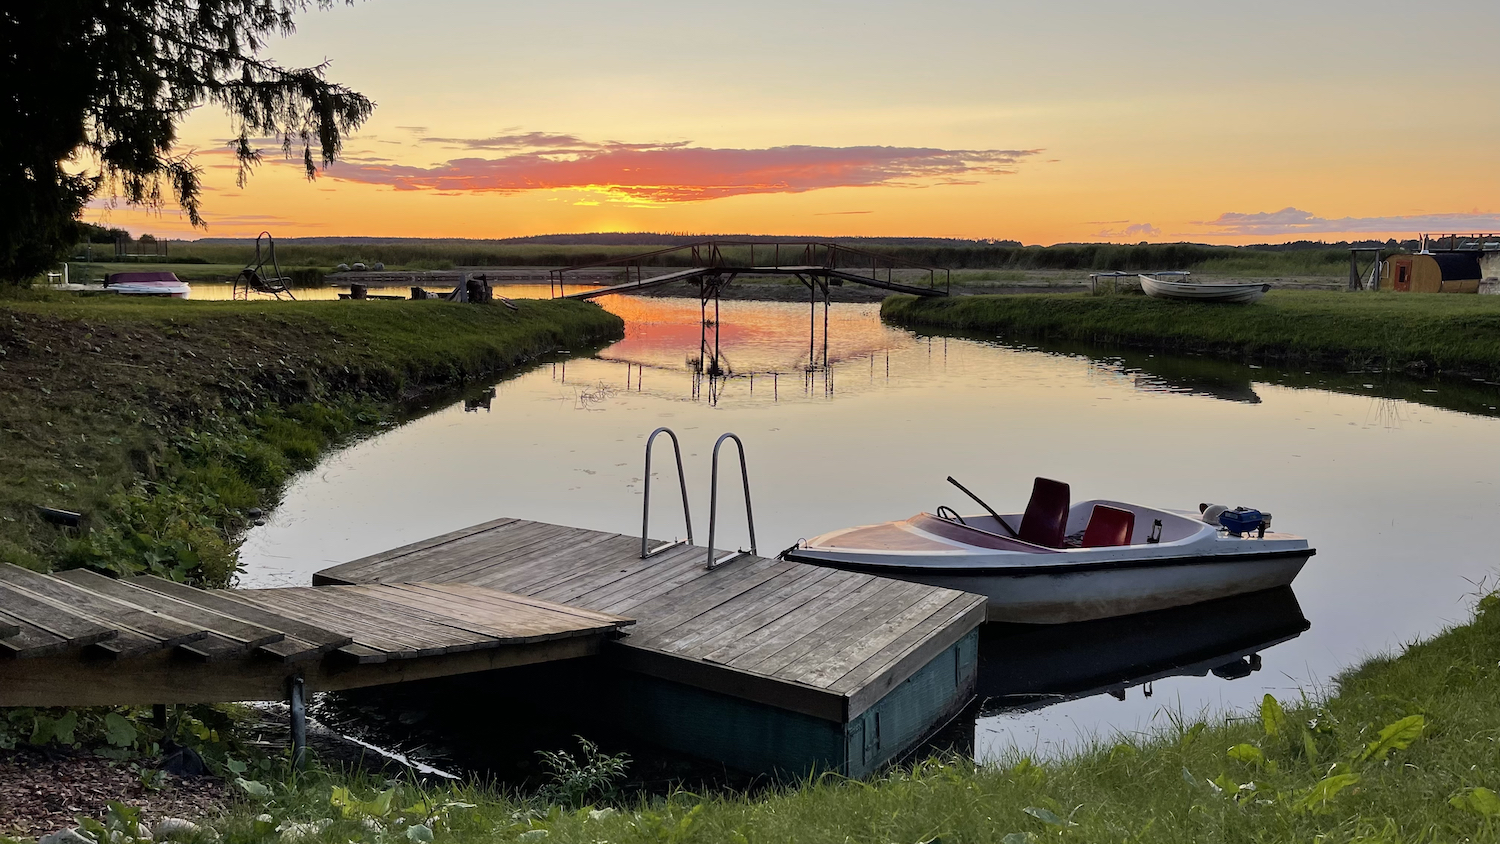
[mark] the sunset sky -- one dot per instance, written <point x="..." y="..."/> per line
<point x="1041" y="122"/>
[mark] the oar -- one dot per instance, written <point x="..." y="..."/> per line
<point x="1008" y="529"/>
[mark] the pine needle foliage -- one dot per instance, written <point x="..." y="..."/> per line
<point x="94" y="91"/>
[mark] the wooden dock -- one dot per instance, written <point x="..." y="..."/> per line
<point x="761" y="664"/>
<point x="81" y="638"/>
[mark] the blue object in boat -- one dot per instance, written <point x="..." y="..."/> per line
<point x="1241" y="520"/>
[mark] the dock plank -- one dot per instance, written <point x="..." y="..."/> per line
<point x="480" y="550"/>
<point x="33" y="614"/>
<point x="778" y="635"/>
<point x="364" y="631"/>
<point x="792" y="603"/>
<point x="372" y="623"/>
<point x="770" y="596"/>
<point x="223" y="601"/>
<point x="870" y="680"/>
<point x="883" y="596"/>
<point x="368" y="568"/>
<point x="510" y="550"/>
<point x="592" y="554"/>
<point x="426" y="561"/>
<point x="608" y="584"/>
<point x="537" y="613"/>
<point x="623" y="596"/>
<point x="66" y="598"/>
<point x="215" y="648"/>
<point x="502" y="621"/>
<point x="31" y="641"/>
<point x="291" y="649"/>
<point x="858" y="644"/>
<point x="704" y="593"/>
<point x="249" y="635"/>
<point x="585" y="560"/>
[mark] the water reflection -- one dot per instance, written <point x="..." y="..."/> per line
<point x="1232" y="381"/>
<point x="1383" y="479"/>
<point x="1026" y="667"/>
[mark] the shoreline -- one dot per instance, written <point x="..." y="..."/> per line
<point x="1419" y="336"/>
<point x="184" y="419"/>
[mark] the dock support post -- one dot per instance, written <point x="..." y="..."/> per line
<point x="159" y="716"/>
<point x="296" y="692"/>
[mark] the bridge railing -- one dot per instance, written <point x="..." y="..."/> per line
<point x="746" y="255"/>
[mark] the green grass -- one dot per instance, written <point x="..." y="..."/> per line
<point x="166" y="421"/>
<point x="1403" y="749"/>
<point x="1457" y="335"/>
<point x="1248" y="263"/>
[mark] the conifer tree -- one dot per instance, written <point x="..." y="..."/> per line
<point x="92" y="92"/>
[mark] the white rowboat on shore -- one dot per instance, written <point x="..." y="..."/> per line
<point x="1195" y="291"/>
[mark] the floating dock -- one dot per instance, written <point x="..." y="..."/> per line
<point x="761" y="664"/>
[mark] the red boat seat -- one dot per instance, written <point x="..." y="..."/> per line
<point x="1108" y="526"/>
<point x="1046" y="518"/>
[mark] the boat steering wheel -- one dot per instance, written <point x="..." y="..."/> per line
<point x="953" y="515"/>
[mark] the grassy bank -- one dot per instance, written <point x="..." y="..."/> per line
<point x="1422" y="335"/>
<point x="169" y="422"/>
<point x="418" y="254"/>
<point x="1404" y="749"/>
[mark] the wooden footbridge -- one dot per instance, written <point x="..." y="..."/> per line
<point x="711" y="264"/>
<point x="81" y="638"/>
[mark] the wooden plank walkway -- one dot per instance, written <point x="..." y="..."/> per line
<point x="81" y="638"/>
<point x="813" y="640"/>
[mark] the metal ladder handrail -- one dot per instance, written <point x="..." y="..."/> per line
<point x="687" y="516"/>
<point x="713" y="501"/>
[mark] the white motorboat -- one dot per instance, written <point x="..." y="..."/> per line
<point x="1196" y="291"/>
<point x="148" y="284"/>
<point x="1058" y="563"/>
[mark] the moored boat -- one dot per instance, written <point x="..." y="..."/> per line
<point x="148" y="284"/>
<point x="1197" y="291"/>
<point x="1058" y="563"/>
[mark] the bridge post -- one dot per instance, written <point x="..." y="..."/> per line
<point x="296" y="693"/>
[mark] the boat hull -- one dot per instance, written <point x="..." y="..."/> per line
<point x="1066" y="594"/>
<point x="1240" y="294"/>
<point x="174" y="291"/>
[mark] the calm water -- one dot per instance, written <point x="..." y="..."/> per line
<point x="216" y="291"/>
<point x="1397" y="495"/>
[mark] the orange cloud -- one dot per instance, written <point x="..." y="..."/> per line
<point x="677" y="172"/>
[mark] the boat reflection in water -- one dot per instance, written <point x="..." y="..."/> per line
<point x="1029" y="666"/>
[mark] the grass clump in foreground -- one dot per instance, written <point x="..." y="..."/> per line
<point x="1406" y="749"/>
<point x="1421" y="334"/>
<point x="167" y="421"/>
